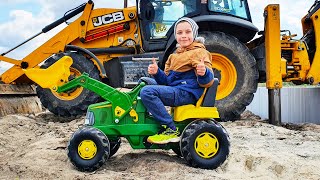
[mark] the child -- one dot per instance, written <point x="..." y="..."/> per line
<point x="186" y="74"/>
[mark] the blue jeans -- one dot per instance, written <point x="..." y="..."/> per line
<point x="156" y="97"/>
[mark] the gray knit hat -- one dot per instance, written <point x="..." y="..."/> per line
<point x="193" y="24"/>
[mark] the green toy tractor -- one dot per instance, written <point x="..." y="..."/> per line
<point x="204" y="142"/>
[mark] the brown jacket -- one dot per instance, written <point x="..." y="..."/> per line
<point x="188" y="58"/>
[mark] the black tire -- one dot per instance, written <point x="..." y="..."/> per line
<point x="176" y="149"/>
<point x="189" y="142"/>
<point x="114" y="145"/>
<point x="233" y="103"/>
<point x="88" y="134"/>
<point x="70" y="106"/>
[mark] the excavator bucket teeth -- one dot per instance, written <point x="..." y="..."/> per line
<point x="16" y="99"/>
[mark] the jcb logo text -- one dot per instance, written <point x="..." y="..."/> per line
<point x="107" y="18"/>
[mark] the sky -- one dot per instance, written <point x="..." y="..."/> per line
<point x="21" y="19"/>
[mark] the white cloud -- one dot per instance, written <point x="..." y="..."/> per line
<point x="291" y="13"/>
<point x="22" y="25"/>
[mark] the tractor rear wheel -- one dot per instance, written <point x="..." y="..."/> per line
<point x="88" y="149"/>
<point x="73" y="102"/>
<point x="236" y="69"/>
<point x="176" y="149"/>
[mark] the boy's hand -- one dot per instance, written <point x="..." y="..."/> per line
<point x="153" y="68"/>
<point x="201" y="68"/>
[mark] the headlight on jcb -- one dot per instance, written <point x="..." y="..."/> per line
<point x="89" y="118"/>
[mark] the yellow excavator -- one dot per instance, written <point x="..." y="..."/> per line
<point x="289" y="59"/>
<point x="115" y="46"/>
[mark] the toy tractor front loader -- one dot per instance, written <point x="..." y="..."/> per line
<point x="204" y="142"/>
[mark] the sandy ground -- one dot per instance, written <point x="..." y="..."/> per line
<point x="34" y="147"/>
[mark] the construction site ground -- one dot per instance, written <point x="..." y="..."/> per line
<point x="34" y="147"/>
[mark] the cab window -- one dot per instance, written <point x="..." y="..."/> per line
<point x="166" y="13"/>
<point x="237" y="8"/>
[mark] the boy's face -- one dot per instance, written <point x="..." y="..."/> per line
<point x="184" y="34"/>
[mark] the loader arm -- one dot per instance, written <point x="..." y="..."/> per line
<point x="121" y="102"/>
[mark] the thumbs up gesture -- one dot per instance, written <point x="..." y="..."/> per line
<point x="201" y="68"/>
<point x="153" y="68"/>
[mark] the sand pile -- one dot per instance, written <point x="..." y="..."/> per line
<point x="34" y="147"/>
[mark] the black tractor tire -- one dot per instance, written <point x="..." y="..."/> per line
<point x="70" y="106"/>
<point x="233" y="103"/>
<point x="86" y="140"/>
<point x="114" y="145"/>
<point x="191" y="147"/>
<point x="176" y="149"/>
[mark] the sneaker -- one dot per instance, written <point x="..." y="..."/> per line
<point x="165" y="137"/>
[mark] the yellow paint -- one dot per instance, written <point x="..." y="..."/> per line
<point x="134" y="115"/>
<point x="189" y="111"/>
<point x="87" y="149"/>
<point x="159" y="27"/>
<point x="10" y="60"/>
<point x="55" y="75"/>
<point x="299" y="61"/>
<point x="315" y="66"/>
<point x="73" y="93"/>
<point x="206" y="145"/>
<point x="273" y="46"/>
<point x="105" y="106"/>
<point x="85" y="18"/>
<point x="71" y="35"/>
<point x="283" y="68"/>
<point x="118" y="111"/>
<point x="228" y="75"/>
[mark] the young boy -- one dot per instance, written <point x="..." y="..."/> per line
<point x="182" y="82"/>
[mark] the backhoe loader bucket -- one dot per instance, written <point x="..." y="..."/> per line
<point x="16" y="99"/>
<point x="57" y="74"/>
<point x="23" y="98"/>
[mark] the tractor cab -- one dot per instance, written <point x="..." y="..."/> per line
<point x="157" y="17"/>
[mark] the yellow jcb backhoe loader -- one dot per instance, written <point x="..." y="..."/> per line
<point x="116" y="46"/>
<point x="288" y="59"/>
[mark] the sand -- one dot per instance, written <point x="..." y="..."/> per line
<point x="34" y="147"/>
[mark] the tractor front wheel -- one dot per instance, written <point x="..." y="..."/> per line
<point x="88" y="149"/>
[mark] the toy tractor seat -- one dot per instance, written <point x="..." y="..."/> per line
<point x="204" y="107"/>
<point x="209" y="94"/>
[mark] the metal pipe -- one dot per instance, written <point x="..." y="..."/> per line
<point x="274" y="106"/>
<point x="113" y="50"/>
<point x="66" y="17"/>
<point x="125" y="4"/>
<point x="22" y="43"/>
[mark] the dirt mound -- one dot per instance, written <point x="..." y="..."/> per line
<point x="34" y="147"/>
